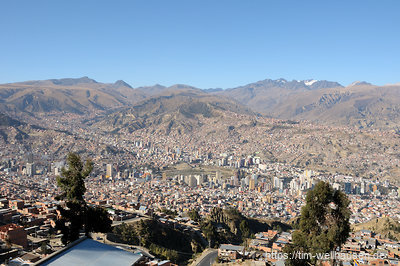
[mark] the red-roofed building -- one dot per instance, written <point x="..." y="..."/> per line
<point x="15" y="233"/>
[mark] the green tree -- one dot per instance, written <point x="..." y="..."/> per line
<point x="126" y="234"/>
<point x="145" y="233"/>
<point x="43" y="248"/>
<point x="194" y="215"/>
<point x="324" y="224"/>
<point x="76" y="215"/>
<point x="210" y="233"/>
<point x="99" y="220"/>
<point x="244" y="229"/>
<point x="169" y="212"/>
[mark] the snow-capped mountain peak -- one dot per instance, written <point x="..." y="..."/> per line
<point x="310" y="82"/>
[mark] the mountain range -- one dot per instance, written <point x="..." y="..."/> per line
<point x="90" y="114"/>
<point x="178" y="109"/>
<point x="65" y="95"/>
<point x="263" y="96"/>
<point x="359" y="105"/>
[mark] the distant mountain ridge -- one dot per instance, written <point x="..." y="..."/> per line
<point x="309" y="84"/>
<point x="265" y="95"/>
<point x="74" y="95"/>
<point x="72" y="81"/>
<point x="360" y="104"/>
<point x="179" y="111"/>
<point x="61" y="82"/>
<point x="121" y="83"/>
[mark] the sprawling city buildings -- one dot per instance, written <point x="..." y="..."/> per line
<point x="174" y="179"/>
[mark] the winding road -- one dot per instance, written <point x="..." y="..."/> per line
<point x="209" y="259"/>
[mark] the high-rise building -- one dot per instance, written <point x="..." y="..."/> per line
<point x="30" y="169"/>
<point x="252" y="184"/>
<point x="347" y="188"/>
<point x="278" y="182"/>
<point x="199" y="179"/>
<point x="235" y="180"/>
<point x="109" y="171"/>
<point x="255" y="177"/>
<point x="362" y="189"/>
<point x="217" y="177"/>
<point x="357" y="189"/>
<point x="56" y="171"/>
<point x="247" y="180"/>
<point x="191" y="181"/>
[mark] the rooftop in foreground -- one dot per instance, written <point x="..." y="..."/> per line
<point x="86" y="251"/>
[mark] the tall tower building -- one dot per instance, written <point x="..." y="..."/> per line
<point x="362" y="189"/>
<point x="255" y="177"/>
<point x="217" y="177"/>
<point x="199" y="179"/>
<point x="30" y="169"/>
<point x="109" y="171"/>
<point x="192" y="182"/>
<point x="236" y="180"/>
<point x="252" y="185"/>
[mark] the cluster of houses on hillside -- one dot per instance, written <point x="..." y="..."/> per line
<point x="364" y="247"/>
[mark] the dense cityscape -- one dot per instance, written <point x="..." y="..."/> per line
<point x="153" y="177"/>
<point x="199" y="133"/>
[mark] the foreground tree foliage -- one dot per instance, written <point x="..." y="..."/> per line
<point x="76" y="215"/>
<point x="165" y="241"/>
<point x="230" y="226"/>
<point x="194" y="215"/>
<point x="324" y="225"/>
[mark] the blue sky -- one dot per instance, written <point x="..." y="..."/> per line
<point x="216" y="43"/>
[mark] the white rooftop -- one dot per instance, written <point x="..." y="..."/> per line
<point x="90" y="252"/>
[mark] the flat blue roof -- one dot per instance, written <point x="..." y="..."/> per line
<point x="91" y="252"/>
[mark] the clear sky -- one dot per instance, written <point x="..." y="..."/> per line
<point x="207" y="43"/>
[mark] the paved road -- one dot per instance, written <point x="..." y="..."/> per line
<point x="209" y="259"/>
<point x="101" y="237"/>
<point x="136" y="219"/>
